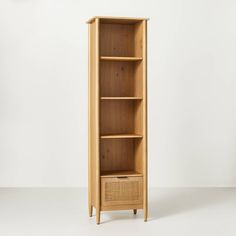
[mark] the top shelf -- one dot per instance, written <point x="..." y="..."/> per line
<point x="121" y="58"/>
<point x="119" y="20"/>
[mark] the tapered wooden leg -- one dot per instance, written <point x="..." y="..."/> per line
<point x="97" y="217"/>
<point x="135" y="211"/>
<point x="145" y="214"/>
<point x="90" y="208"/>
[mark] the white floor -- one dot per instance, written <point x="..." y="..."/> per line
<point x="63" y="211"/>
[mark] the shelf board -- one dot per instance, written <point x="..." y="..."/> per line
<point x="119" y="20"/>
<point x="121" y="98"/>
<point x="119" y="173"/>
<point x="121" y="58"/>
<point x="121" y="136"/>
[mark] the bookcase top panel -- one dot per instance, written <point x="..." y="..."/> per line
<point x="120" y="20"/>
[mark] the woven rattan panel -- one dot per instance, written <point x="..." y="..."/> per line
<point x="122" y="191"/>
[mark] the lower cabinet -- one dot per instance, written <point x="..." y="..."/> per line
<point x="121" y="193"/>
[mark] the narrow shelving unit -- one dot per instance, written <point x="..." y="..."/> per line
<point x="117" y="114"/>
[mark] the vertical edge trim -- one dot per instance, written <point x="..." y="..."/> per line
<point x="89" y="121"/>
<point x="145" y="155"/>
<point x="98" y="195"/>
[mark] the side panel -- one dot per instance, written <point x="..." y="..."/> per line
<point x="145" y="164"/>
<point x="97" y="118"/>
<point x="93" y="132"/>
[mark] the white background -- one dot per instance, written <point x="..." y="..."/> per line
<point x="192" y="90"/>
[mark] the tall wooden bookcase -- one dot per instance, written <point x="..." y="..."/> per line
<point x="117" y="114"/>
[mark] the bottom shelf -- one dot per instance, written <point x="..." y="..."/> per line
<point x="120" y="173"/>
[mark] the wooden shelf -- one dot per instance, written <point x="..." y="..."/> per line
<point x="121" y="98"/>
<point x="119" y="173"/>
<point x="119" y="20"/>
<point x="108" y="136"/>
<point x="121" y="58"/>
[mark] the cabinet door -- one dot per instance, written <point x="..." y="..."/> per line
<point x="117" y="191"/>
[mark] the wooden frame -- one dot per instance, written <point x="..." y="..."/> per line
<point x="117" y="115"/>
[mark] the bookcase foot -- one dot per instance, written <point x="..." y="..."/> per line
<point x="90" y="210"/>
<point x="98" y="217"/>
<point x="145" y="215"/>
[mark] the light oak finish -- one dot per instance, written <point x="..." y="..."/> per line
<point x="117" y="115"/>
<point x="121" y="58"/>
<point x="145" y="168"/>
<point x="120" y="79"/>
<point x="117" y="154"/>
<point x="122" y="136"/>
<point x="121" y="98"/>
<point x="120" y="20"/>
<point x="119" y="173"/>
<point x="121" y="207"/>
<point x="90" y="207"/>
<point x="94" y="162"/>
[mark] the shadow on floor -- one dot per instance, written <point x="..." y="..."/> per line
<point x="168" y="202"/>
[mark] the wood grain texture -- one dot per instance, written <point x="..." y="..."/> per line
<point x="117" y="117"/>
<point x="117" y="154"/>
<point x="121" y="117"/>
<point x="138" y="156"/>
<point x="116" y="78"/>
<point x="121" y="79"/>
<point x="138" y="39"/>
<point x="117" y="40"/>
